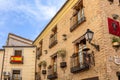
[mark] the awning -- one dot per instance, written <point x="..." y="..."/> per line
<point x="54" y="55"/>
<point x="77" y="5"/>
<point x="78" y="40"/>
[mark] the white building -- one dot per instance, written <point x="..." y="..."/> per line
<point x="19" y="59"/>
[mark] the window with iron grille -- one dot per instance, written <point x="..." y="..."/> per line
<point x="18" y="53"/>
<point x="39" y="49"/>
<point x="78" y="15"/>
<point x="16" y="75"/>
<point x="53" y="37"/>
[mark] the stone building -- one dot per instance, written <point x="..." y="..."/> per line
<point x="77" y="43"/>
<point x="1" y="61"/>
<point x="19" y="59"/>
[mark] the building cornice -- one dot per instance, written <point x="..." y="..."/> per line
<point x="2" y="49"/>
<point x="18" y="46"/>
<point x="20" y="37"/>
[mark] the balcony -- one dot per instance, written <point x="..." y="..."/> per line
<point x="16" y="59"/>
<point x="53" y="40"/>
<point x="76" y="66"/>
<point x="52" y="74"/>
<point x="39" y="53"/>
<point x="77" y="23"/>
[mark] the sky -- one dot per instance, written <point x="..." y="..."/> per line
<point x="26" y="18"/>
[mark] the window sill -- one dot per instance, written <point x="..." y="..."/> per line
<point x="83" y="19"/>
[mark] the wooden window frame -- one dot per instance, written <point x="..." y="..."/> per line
<point x="53" y="37"/>
<point x="78" y="16"/>
<point x="19" y="53"/>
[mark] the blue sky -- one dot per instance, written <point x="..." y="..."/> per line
<point x="26" y="18"/>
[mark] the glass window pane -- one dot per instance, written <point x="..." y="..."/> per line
<point x="18" y="52"/>
<point x="79" y="15"/>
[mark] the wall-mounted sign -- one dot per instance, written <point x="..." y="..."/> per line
<point x="16" y="59"/>
<point x="114" y="27"/>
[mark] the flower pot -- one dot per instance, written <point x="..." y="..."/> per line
<point x="116" y="44"/>
<point x="63" y="64"/>
<point x="43" y="71"/>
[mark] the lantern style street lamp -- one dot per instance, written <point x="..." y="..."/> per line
<point x="89" y="36"/>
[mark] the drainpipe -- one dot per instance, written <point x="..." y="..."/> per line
<point x="2" y="64"/>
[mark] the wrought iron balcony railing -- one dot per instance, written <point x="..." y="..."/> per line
<point x="76" y="23"/>
<point x="76" y="66"/>
<point x="53" y="40"/>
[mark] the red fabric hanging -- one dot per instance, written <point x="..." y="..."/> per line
<point x="114" y="27"/>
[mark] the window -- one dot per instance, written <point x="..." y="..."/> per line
<point x="81" y="55"/>
<point x="80" y="60"/>
<point x="55" y="64"/>
<point x="39" y="49"/>
<point x="16" y="75"/>
<point x="52" y="69"/>
<point x="53" y="37"/>
<point x="18" y="53"/>
<point x="78" y="16"/>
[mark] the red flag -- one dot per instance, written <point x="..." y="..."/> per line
<point x="114" y="27"/>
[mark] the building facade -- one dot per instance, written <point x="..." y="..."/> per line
<point x="67" y="48"/>
<point x="19" y="59"/>
<point x="1" y="62"/>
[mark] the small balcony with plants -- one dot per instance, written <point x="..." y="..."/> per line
<point x="43" y="64"/>
<point x="62" y="54"/>
<point x="116" y="41"/>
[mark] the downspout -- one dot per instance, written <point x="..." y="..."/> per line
<point x="2" y="64"/>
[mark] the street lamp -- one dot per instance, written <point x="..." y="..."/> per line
<point x="89" y="36"/>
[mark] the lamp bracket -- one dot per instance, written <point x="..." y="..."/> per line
<point x="97" y="47"/>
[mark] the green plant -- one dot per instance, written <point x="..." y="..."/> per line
<point x="40" y="64"/>
<point x="115" y="39"/>
<point x="49" y="67"/>
<point x="119" y="39"/>
<point x="44" y="63"/>
<point x="62" y="53"/>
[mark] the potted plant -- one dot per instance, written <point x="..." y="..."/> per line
<point x="115" y="42"/>
<point x="44" y="64"/>
<point x="62" y="54"/>
<point x="49" y="67"/>
<point x="40" y="64"/>
<point x="43" y="71"/>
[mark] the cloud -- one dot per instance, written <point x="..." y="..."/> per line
<point x="37" y="10"/>
<point x="20" y="13"/>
